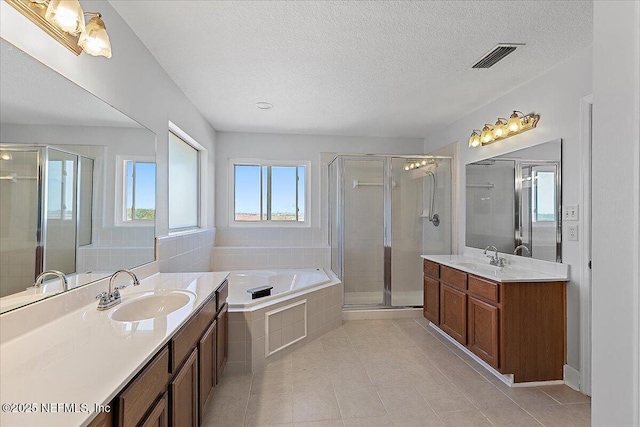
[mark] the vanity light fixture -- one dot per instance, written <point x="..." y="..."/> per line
<point x="503" y="129"/>
<point x="64" y="21"/>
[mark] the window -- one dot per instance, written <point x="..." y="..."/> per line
<point x="269" y="192"/>
<point x="545" y="196"/>
<point x="184" y="183"/>
<point x="139" y="191"/>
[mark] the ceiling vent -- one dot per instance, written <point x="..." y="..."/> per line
<point x="497" y="54"/>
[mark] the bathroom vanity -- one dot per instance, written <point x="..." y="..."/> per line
<point x="513" y="319"/>
<point x="132" y="365"/>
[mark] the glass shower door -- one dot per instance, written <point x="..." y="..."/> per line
<point x="363" y="234"/>
<point x="18" y="219"/>
<point x="61" y="219"/>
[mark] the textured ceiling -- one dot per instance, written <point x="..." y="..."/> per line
<point x="33" y="94"/>
<point x="351" y="68"/>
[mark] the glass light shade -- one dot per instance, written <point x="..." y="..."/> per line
<point x="474" y="140"/>
<point x="66" y="15"/>
<point x="5" y="156"/>
<point x="406" y="168"/>
<point x="486" y="135"/>
<point x="499" y="130"/>
<point x="514" y="124"/>
<point x="95" y="40"/>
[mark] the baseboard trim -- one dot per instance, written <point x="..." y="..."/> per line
<point x="505" y="378"/>
<point x="385" y="313"/>
<point x="572" y="377"/>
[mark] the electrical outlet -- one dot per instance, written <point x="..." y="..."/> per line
<point x="570" y="213"/>
<point x="573" y="233"/>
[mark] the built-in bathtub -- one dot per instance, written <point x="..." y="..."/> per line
<point x="304" y="304"/>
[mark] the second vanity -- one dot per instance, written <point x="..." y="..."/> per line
<point x="91" y="367"/>
<point x="513" y="319"/>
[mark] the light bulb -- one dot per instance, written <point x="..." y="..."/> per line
<point x="5" y="156"/>
<point x="66" y="15"/>
<point x="424" y="163"/>
<point x="406" y="168"/>
<point x="474" y="139"/>
<point x="499" y="130"/>
<point x="95" y="40"/>
<point x="486" y="135"/>
<point x="514" y="124"/>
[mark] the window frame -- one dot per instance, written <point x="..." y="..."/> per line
<point x="202" y="163"/>
<point x="272" y="163"/>
<point x="121" y="192"/>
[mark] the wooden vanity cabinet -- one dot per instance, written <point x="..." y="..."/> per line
<point x="183" y="392"/>
<point x="207" y="351"/>
<point x="159" y="416"/>
<point x="518" y="328"/>
<point x="223" y="341"/>
<point x="453" y="313"/>
<point x="175" y="387"/>
<point x="431" y="291"/>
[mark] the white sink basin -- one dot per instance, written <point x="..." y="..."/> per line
<point x="152" y="304"/>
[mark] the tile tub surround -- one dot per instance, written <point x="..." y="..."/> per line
<point x="247" y="328"/>
<point x="82" y="356"/>
<point x="186" y="252"/>
<point x="344" y="379"/>
<point x="263" y="257"/>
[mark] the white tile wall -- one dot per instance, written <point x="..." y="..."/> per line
<point x="262" y="257"/>
<point x="186" y="252"/>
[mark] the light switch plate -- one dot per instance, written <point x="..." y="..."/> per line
<point x="572" y="231"/>
<point x="570" y="213"/>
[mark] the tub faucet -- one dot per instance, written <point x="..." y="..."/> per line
<point x="108" y="300"/>
<point x="495" y="259"/>
<point x="515" y="251"/>
<point x="60" y="274"/>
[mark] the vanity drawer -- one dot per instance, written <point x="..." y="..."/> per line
<point x="453" y="277"/>
<point x="135" y="401"/>
<point x="185" y="340"/>
<point x="484" y="289"/>
<point x="221" y="295"/>
<point x="431" y="269"/>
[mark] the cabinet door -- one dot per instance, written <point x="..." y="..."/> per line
<point x="207" y="366"/>
<point x="223" y="341"/>
<point x="483" y="331"/>
<point x="453" y="313"/>
<point x="431" y="303"/>
<point x="184" y="394"/>
<point x="159" y="416"/>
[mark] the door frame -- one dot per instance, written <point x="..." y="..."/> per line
<point x="586" y="108"/>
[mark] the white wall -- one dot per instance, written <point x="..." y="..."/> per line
<point x="616" y="213"/>
<point x="131" y="81"/>
<point x="556" y="97"/>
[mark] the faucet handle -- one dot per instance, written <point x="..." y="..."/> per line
<point x="103" y="297"/>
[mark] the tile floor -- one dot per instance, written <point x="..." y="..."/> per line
<point x="386" y="373"/>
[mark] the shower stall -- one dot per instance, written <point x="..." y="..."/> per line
<point x="45" y="213"/>
<point x="384" y="212"/>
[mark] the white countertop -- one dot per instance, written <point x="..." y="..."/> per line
<point x="84" y="357"/>
<point x="542" y="271"/>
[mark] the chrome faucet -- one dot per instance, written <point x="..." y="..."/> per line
<point x="108" y="300"/>
<point x="495" y="259"/>
<point x="60" y="274"/>
<point x="515" y="251"/>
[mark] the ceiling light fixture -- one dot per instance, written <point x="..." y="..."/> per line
<point x="264" y="105"/>
<point x="64" y="21"/>
<point x="503" y="129"/>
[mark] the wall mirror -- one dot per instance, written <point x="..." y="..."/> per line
<point x="515" y="199"/>
<point x="77" y="183"/>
